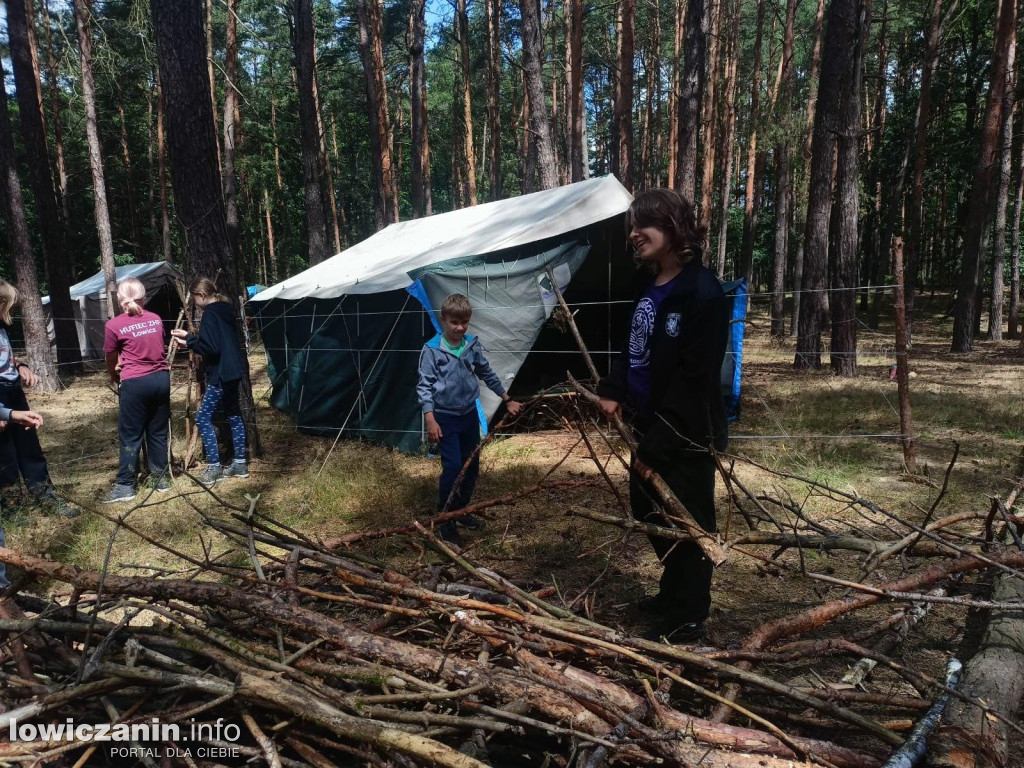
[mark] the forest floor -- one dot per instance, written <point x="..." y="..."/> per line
<point x="814" y="424"/>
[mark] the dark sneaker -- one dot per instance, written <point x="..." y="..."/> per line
<point x="236" y="469"/>
<point x="449" y="533"/>
<point x="212" y="473"/>
<point x="119" y="493"/>
<point x="472" y="522"/>
<point x="51" y="504"/>
<point x="677" y="634"/>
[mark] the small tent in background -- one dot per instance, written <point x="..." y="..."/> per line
<point x="89" y="301"/>
<point x="343" y="337"/>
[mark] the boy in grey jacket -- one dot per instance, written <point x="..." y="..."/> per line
<point x="450" y="365"/>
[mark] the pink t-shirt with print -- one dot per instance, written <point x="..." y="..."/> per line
<point x="139" y="340"/>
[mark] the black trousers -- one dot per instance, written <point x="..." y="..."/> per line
<point x="144" y="414"/>
<point x="21" y="456"/>
<point x="686" y="580"/>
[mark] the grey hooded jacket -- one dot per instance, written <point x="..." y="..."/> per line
<point x="448" y="384"/>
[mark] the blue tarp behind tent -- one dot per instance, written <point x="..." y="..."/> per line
<point x="732" y="368"/>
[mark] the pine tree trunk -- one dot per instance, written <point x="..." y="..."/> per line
<point x="690" y="91"/>
<point x="674" y="94"/>
<point x="1013" y="311"/>
<point x="750" y="199"/>
<point x="192" y="140"/>
<point x="421" y="203"/>
<point x="783" y="193"/>
<point x="915" y="210"/>
<point x="230" y="109"/>
<point x="709" y="123"/>
<point x="624" y="93"/>
<point x="165" y="214"/>
<point x="577" y="117"/>
<point x="493" y="11"/>
<point x="319" y="245"/>
<point x="837" y="62"/>
<point x="330" y="199"/>
<point x="56" y="254"/>
<point x="812" y="101"/>
<point x="154" y="247"/>
<point x="369" y="13"/>
<point x="468" y="150"/>
<point x="33" y="321"/>
<point x="843" y="302"/>
<point x="539" y="122"/>
<point x="126" y="158"/>
<point x="272" y="255"/>
<point x="981" y="187"/>
<point x="83" y="25"/>
<point x="995" y="308"/>
<point x="731" y="57"/>
<point x="55" y="109"/>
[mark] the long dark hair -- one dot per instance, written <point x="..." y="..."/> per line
<point x="673" y="214"/>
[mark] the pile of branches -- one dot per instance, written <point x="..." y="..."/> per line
<point x="324" y="655"/>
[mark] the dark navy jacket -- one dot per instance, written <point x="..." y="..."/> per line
<point x="217" y="342"/>
<point x="687" y="409"/>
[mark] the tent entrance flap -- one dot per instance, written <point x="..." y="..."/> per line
<point x="511" y="297"/>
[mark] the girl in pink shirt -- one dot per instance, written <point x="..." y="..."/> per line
<point x="135" y="347"/>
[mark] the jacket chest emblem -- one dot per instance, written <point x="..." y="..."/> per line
<point x="672" y="323"/>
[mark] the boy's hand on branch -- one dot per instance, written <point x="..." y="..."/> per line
<point x="433" y="429"/>
<point x="514" y="407"/>
<point x="610" y="408"/>
<point x="27" y="419"/>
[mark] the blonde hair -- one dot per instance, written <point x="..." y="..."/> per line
<point x="457" y="305"/>
<point x="8" y="298"/>
<point x="204" y="286"/>
<point x="131" y="295"/>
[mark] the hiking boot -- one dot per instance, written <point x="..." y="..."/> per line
<point x="236" y="469"/>
<point x="212" y="473"/>
<point x="472" y="522"/>
<point x="669" y="631"/>
<point x="119" y="493"/>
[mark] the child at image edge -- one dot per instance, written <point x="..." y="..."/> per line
<point x="450" y="365"/>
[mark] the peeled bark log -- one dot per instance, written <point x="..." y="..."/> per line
<point x="969" y="738"/>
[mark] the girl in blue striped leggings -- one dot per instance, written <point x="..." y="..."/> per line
<point x="217" y="342"/>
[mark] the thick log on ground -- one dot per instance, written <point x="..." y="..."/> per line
<point x="969" y="738"/>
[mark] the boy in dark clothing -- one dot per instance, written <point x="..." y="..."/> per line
<point x="669" y="381"/>
<point x="450" y="365"/>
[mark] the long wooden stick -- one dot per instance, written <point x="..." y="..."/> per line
<point x="706" y="541"/>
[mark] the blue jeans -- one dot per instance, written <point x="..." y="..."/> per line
<point x="460" y="435"/>
<point x="226" y="397"/>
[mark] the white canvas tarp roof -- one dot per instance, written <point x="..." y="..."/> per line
<point x="383" y="262"/>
